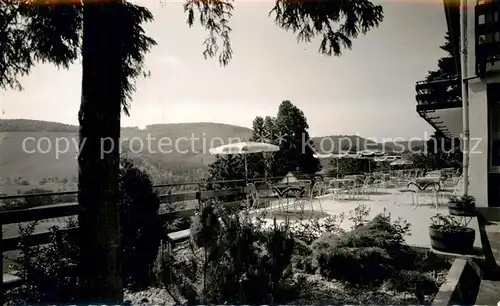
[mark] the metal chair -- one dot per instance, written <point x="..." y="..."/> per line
<point x="312" y="193"/>
<point x="259" y="201"/>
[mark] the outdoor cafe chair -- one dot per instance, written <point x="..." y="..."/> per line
<point x="403" y="181"/>
<point x="259" y="201"/>
<point x="369" y="186"/>
<point x="343" y="187"/>
<point x="308" y="198"/>
<point x="316" y="193"/>
<point x="452" y="181"/>
<point x="351" y="189"/>
<point x="430" y="190"/>
<point x="453" y="189"/>
<point x="290" y="193"/>
<point x="335" y="189"/>
<point x="264" y="189"/>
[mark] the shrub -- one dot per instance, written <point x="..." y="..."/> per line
<point x="50" y="272"/>
<point x="327" y="243"/>
<point x="420" y="284"/>
<point x="141" y="227"/>
<point x="310" y="230"/>
<point x="359" y="215"/>
<point x="233" y="261"/>
<point x="305" y="263"/>
<point x="206" y="228"/>
<point x="374" y="253"/>
<point x="379" y="232"/>
<point x="364" y="256"/>
<point x="368" y="266"/>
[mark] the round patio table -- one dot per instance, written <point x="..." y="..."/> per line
<point x="289" y="190"/>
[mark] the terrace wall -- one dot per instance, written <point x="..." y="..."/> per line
<point x="478" y="159"/>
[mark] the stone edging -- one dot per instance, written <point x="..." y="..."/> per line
<point x="460" y="286"/>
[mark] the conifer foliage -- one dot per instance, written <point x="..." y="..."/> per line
<point x="289" y="131"/>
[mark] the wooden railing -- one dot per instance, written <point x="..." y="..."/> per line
<point x="72" y="209"/>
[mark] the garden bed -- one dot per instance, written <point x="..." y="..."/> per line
<point x="302" y="262"/>
<point x="317" y="290"/>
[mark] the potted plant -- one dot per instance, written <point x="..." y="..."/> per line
<point x="451" y="234"/>
<point x="462" y="206"/>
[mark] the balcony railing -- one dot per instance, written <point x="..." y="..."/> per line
<point x="487" y="36"/>
<point x="438" y="94"/>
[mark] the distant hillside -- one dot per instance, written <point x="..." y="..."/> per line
<point x="336" y="143"/>
<point x="328" y="144"/>
<point x="176" y="147"/>
<point x="27" y="125"/>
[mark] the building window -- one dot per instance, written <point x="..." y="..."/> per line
<point x="487" y="18"/>
<point x="494" y="127"/>
<point x="489" y="38"/>
<point x="480" y="2"/>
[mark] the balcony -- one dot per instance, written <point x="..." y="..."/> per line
<point x="487" y="13"/>
<point x="439" y="103"/>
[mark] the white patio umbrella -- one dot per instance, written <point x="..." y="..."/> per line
<point x="401" y="162"/>
<point x="388" y="158"/>
<point x="244" y="148"/>
<point x="370" y="155"/>
<point x="336" y="156"/>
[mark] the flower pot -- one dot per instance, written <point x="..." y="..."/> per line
<point x="452" y="242"/>
<point x="456" y="211"/>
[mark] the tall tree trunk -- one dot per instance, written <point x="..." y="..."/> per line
<point x="99" y="119"/>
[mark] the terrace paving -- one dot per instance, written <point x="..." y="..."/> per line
<point x="489" y="290"/>
<point x="399" y="205"/>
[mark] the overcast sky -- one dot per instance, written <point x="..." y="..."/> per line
<point x="368" y="90"/>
